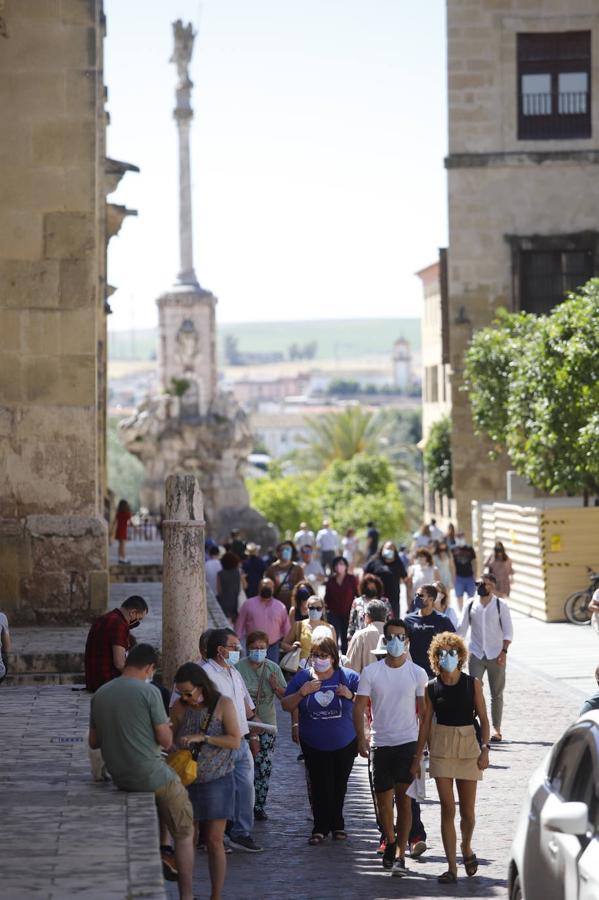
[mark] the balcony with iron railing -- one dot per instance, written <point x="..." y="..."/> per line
<point x="554" y="115"/>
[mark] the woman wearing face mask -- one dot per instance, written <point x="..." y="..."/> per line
<point x="300" y="595"/>
<point x="371" y="588"/>
<point x="285" y="572"/>
<point x="340" y="592"/>
<point x="455" y="699"/>
<point x="204" y="718"/>
<point x="422" y="571"/>
<point x="500" y="565"/>
<point x="387" y="565"/>
<point x="264" y="681"/>
<point x="442" y="603"/>
<point x="301" y="633"/>
<point x="323" y="694"/>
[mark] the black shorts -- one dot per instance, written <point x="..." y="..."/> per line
<point x="391" y="766"/>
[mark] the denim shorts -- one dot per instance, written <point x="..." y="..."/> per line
<point x="213" y="799"/>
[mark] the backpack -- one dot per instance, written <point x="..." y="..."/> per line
<point x="469" y="611"/>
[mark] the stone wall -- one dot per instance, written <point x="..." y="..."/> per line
<point x="500" y="186"/>
<point x="53" y="556"/>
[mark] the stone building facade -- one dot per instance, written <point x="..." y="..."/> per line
<point x="523" y="176"/>
<point x="54" y="227"/>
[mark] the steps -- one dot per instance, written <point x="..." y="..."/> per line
<point x="136" y="573"/>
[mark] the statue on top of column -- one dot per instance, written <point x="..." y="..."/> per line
<point x="184" y="38"/>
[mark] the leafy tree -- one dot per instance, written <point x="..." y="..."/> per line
<point x="437" y="457"/>
<point x="545" y="387"/>
<point x="285" y="501"/>
<point x="125" y="472"/>
<point x="349" y="491"/>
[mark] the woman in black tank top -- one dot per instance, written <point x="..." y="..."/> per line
<point x="453" y="700"/>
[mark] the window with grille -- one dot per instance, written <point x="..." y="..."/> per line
<point x="547" y="268"/>
<point x="554" y="85"/>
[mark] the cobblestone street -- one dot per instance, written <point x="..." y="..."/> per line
<point x="537" y="711"/>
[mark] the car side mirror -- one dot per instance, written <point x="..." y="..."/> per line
<point x="565" y="818"/>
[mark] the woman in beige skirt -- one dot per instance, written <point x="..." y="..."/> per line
<point x="451" y="703"/>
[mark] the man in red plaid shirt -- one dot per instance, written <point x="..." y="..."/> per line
<point x="109" y="640"/>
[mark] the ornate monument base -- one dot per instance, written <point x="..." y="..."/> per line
<point x="212" y="447"/>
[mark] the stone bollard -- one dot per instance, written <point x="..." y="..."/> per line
<point x="184" y="611"/>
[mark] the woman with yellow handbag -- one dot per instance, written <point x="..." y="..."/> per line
<point x="206" y="722"/>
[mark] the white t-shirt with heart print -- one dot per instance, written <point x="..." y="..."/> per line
<point x="393" y="693"/>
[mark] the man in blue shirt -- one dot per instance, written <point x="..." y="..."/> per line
<point x="422" y="626"/>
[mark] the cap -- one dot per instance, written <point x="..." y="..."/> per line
<point x="252" y="548"/>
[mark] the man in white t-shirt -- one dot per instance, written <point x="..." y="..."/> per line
<point x="395" y="687"/>
<point x="328" y="543"/>
<point x="303" y="536"/>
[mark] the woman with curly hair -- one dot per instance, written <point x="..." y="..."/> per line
<point x="456" y="699"/>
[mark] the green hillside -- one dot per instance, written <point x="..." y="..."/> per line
<point x="336" y="338"/>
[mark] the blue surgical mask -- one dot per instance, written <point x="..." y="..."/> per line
<point x="286" y="554"/>
<point x="315" y="614"/>
<point x="396" y="646"/>
<point x="388" y="554"/>
<point x="257" y="656"/>
<point x="448" y="663"/>
<point x="233" y="657"/>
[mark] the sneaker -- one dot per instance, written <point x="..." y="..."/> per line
<point x="417" y="848"/>
<point x="399" y="867"/>
<point x="246" y="843"/>
<point x="389" y="855"/>
<point x="169" y="867"/>
<point x="260" y="815"/>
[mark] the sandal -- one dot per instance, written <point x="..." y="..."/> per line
<point x="340" y="835"/>
<point x="448" y="877"/>
<point x="316" y="838"/>
<point x="496" y="738"/>
<point x="470" y="864"/>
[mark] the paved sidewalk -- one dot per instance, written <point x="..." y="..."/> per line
<point x="65" y="837"/>
<point x="536" y="715"/>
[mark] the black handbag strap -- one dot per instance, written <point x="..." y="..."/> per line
<point x="198" y="747"/>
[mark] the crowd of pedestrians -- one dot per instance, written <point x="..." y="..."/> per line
<point x="363" y="666"/>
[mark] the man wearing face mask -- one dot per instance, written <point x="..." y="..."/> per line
<point x="491" y="633"/>
<point x="109" y="639"/>
<point x="395" y="688"/>
<point x="284" y="572"/>
<point x="387" y="566"/>
<point x="264" y="613"/>
<point x="223" y="652"/>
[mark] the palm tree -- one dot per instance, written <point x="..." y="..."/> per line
<point x="339" y="435"/>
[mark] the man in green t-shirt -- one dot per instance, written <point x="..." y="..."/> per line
<point x="128" y="723"/>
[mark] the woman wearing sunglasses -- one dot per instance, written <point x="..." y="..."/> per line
<point x="301" y="632"/>
<point x="456" y="699"/>
<point x="201" y="716"/>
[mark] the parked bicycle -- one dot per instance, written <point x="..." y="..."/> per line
<point x="576" y="607"/>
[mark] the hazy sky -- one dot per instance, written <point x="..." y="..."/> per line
<point x="317" y="154"/>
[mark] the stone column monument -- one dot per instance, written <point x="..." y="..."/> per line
<point x="184" y="611"/>
<point x="191" y="427"/>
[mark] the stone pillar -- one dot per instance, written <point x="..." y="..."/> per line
<point x="183" y="113"/>
<point x="184" y="611"/>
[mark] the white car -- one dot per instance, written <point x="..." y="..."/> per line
<point x="555" y="853"/>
